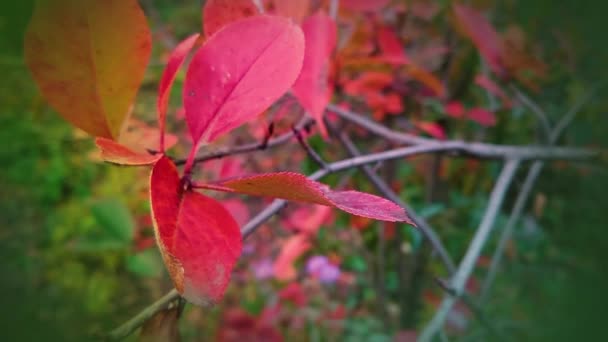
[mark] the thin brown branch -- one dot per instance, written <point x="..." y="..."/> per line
<point x="385" y="190"/>
<point x="474" y="149"/>
<point x="134" y="323"/>
<point x="458" y="281"/>
<point x="251" y="147"/>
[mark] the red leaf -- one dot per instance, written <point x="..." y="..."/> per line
<point x="239" y="72"/>
<point x="292" y="249"/>
<point x="482" y="116"/>
<point x="176" y="59"/>
<point x="296" y="10"/>
<point x="308" y="219"/>
<point x="238" y="325"/>
<point x="493" y="88"/>
<point x="454" y="109"/>
<point x="199" y="240"/>
<point x="116" y="153"/>
<point x="296" y="187"/>
<point x="480" y="31"/>
<point x="391" y="46"/>
<point x="312" y="88"/>
<point x="364" y="5"/>
<point x="219" y="13"/>
<point x="294" y="293"/>
<point x="433" y="129"/>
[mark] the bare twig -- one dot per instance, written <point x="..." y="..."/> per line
<point x="478" y="150"/>
<point x="334" y="5"/>
<point x="474" y="306"/>
<point x="385" y="190"/>
<point x="525" y="191"/>
<point x="131" y="325"/>
<point x="467" y="265"/>
<point x="308" y="149"/>
<point x="259" y="4"/>
<point x="541" y="115"/>
<point x="252" y="147"/>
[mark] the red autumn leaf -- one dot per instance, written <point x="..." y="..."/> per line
<point x="294" y="292"/>
<point x="116" y="153"/>
<point x="219" y="13"/>
<point x="482" y="116"/>
<point x="489" y="85"/>
<point x="454" y="109"/>
<point x="477" y="28"/>
<point x="391" y="46"/>
<point x="292" y="249"/>
<point x="368" y="82"/>
<point x="176" y="59"/>
<point x="238" y="209"/>
<point x="89" y="58"/>
<point x="433" y="129"/>
<point x="239" y="325"/>
<point x="199" y="240"/>
<point x="296" y="10"/>
<point x="135" y="144"/>
<point x="239" y="72"/>
<point x="312" y="88"/>
<point x="364" y="5"/>
<point x="308" y="219"/>
<point x="296" y="187"/>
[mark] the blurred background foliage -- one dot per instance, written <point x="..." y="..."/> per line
<point x="72" y="238"/>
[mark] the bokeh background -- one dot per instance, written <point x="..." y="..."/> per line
<point x="74" y="231"/>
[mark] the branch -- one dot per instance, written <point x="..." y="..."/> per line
<point x="525" y="191"/>
<point x="474" y="306"/>
<point x="131" y="325"/>
<point x="467" y="265"/>
<point x="385" y="190"/>
<point x="479" y="150"/>
<point x="541" y="115"/>
<point x="251" y="147"/>
<point x="490" y="151"/>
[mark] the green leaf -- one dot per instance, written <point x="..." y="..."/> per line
<point x="145" y="264"/>
<point x="115" y="220"/>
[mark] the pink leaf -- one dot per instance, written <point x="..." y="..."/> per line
<point x="433" y="129"/>
<point x="308" y="219"/>
<point x="454" y="109"/>
<point x="239" y="72"/>
<point x="296" y="187"/>
<point x="482" y="116"/>
<point x="391" y="46"/>
<point x="489" y="85"/>
<point x="176" y="59"/>
<point x="312" y="88"/>
<point x="199" y="240"/>
<point x="483" y="35"/>
<point x="290" y="252"/>
<point x="219" y="13"/>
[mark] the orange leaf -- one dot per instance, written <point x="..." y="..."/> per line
<point x="88" y="59"/>
<point x="116" y="153"/>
